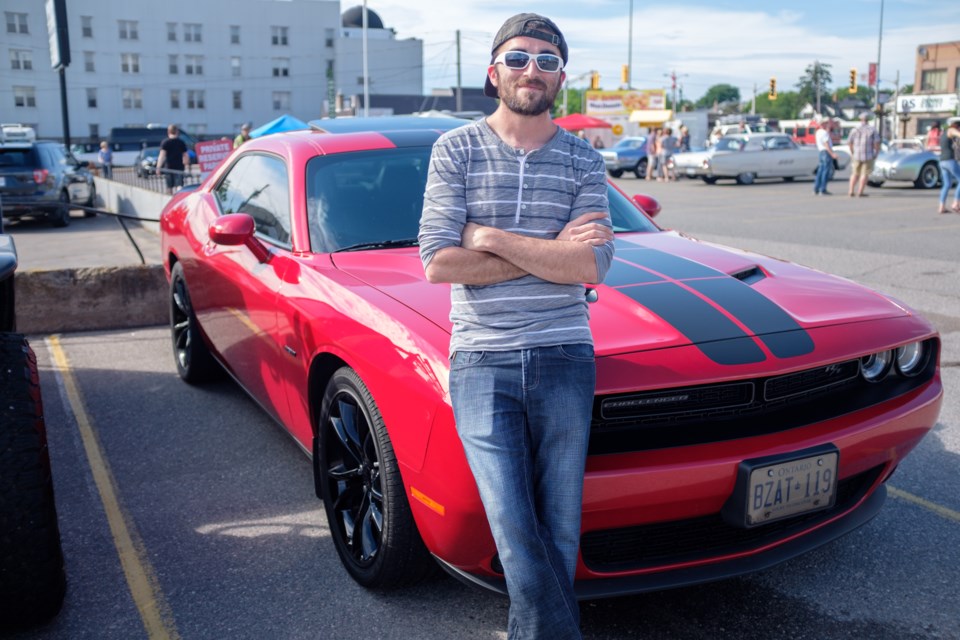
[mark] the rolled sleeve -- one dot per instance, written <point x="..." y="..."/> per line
<point x="444" y="202"/>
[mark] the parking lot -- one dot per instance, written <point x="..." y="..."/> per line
<point x="185" y="512"/>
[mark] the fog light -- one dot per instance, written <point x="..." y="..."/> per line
<point x="875" y="366"/>
<point x="910" y="358"/>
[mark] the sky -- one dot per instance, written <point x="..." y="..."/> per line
<point x="742" y="43"/>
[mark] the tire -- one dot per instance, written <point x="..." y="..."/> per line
<point x="61" y="215"/>
<point x="709" y="179"/>
<point x="32" y="578"/>
<point x="641" y="169"/>
<point x="361" y="488"/>
<point x="195" y="363"/>
<point x="91" y="201"/>
<point x="615" y="173"/>
<point x="746" y="178"/>
<point x="929" y="177"/>
<point x="874" y="183"/>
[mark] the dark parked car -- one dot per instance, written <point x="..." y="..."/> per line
<point x="630" y="154"/>
<point x="41" y="178"/>
<point x="32" y="579"/>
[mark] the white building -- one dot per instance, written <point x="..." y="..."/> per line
<point x="208" y="66"/>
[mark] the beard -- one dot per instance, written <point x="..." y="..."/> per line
<point x="527" y="104"/>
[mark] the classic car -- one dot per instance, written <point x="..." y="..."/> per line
<point x="747" y="157"/>
<point x="906" y="160"/>
<point x="747" y="409"/>
<point x="629" y="154"/>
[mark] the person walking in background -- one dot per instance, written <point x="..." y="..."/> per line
<point x="933" y="137"/>
<point x="243" y="136"/>
<point x="827" y="156"/>
<point x="684" y="139"/>
<point x="667" y="146"/>
<point x="950" y="164"/>
<point x="864" y="144"/>
<point x="174" y="159"/>
<point x="652" y="142"/>
<point x="105" y="159"/>
<point x="515" y="218"/>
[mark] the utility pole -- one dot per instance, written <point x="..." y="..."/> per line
<point x="459" y="86"/>
<point x="366" y="77"/>
<point x="816" y="82"/>
<point x="879" y="48"/>
<point x="630" y="50"/>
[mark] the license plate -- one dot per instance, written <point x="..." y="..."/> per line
<point x="780" y="487"/>
<point x="691" y="172"/>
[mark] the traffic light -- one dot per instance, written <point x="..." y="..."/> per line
<point x="595" y="80"/>
<point x="773" y="89"/>
<point x="853" y="80"/>
<point x="625" y="74"/>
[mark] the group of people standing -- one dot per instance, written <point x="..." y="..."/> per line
<point x="864" y="142"/>
<point x="661" y="147"/>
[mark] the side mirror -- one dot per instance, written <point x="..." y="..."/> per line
<point x="648" y="204"/>
<point x="236" y="229"/>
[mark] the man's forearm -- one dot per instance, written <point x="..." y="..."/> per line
<point x="466" y="266"/>
<point x="560" y="261"/>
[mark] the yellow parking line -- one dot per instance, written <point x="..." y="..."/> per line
<point x="155" y="613"/>
<point x="946" y="512"/>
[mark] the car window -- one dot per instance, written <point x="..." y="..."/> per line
<point x="258" y="185"/>
<point x="753" y="144"/>
<point x="779" y="142"/>
<point x="730" y="144"/>
<point x="15" y="158"/>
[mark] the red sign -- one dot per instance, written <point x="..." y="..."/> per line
<point x="211" y="153"/>
<point x="873" y="75"/>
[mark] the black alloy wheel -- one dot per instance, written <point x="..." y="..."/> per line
<point x="929" y="176"/>
<point x="61" y="215"/>
<point x="195" y="364"/>
<point x="363" y="494"/>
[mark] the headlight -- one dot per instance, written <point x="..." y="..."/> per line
<point x="875" y="366"/>
<point x="910" y="358"/>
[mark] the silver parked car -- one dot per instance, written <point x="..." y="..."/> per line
<point x="907" y="160"/>
<point x="747" y="157"/>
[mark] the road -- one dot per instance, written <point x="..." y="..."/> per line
<point x="202" y="504"/>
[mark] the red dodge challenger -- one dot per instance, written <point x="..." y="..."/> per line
<point x="747" y="409"/>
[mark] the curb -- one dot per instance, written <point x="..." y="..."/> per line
<point x="87" y="299"/>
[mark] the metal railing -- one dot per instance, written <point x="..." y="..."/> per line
<point x="148" y="178"/>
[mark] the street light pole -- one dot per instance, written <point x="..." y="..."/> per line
<point x="630" y="50"/>
<point x="879" y="49"/>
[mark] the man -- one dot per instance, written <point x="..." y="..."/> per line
<point x="827" y="156"/>
<point x="173" y="159"/>
<point x="864" y="144"/>
<point x="515" y="217"/>
<point x="243" y="136"/>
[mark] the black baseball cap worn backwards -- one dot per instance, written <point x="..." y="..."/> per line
<point x="520" y="25"/>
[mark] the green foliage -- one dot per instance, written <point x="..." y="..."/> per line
<point x="816" y="75"/>
<point x="785" y="107"/>
<point x="574" y="102"/>
<point x="719" y="93"/>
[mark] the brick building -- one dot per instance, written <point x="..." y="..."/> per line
<point x="936" y="89"/>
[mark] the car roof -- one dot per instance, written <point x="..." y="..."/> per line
<point x="387" y="123"/>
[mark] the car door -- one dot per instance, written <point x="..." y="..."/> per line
<point x="779" y="158"/>
<point x="235" y="297"/>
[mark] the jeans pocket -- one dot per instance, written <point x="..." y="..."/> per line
<point x="578" y="352"/>
<point x="461" y="359"/>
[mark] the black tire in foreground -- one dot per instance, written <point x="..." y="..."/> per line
<point x="195" y="363"/>
<point x="365" y="500"/>
<point x="32" y="578"/>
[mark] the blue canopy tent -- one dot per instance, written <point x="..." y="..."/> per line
<point x="283" y="123"/>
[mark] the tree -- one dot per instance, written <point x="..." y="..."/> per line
<point x="906" y="89"/>
<point x="719" y="93"/>
<point x="814" y="84"/>
<point x="574" y="102"/>
<point x="785" y="107"/>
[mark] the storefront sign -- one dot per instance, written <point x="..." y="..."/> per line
<point x="605" y="103"/>
<point x="935" y="103"/>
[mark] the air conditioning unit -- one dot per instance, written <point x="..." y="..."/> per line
<point x="922" y="52"/>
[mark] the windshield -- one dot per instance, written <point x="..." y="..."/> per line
<point x="729" y="143"/>
<point x="371" y="199"/>
<point x="630" y="143"/>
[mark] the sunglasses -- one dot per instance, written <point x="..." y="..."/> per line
<point x="518" y="60"/>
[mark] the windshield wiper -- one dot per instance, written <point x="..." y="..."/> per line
<point x="381" y="244"/>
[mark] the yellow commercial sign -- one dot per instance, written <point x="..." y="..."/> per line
<point x="624" y="102"/>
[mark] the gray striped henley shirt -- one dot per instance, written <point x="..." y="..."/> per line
<point x="476" y="177"/>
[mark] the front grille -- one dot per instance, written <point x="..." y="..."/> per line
<point x="683" y="416"/>
<point x="663" y="543"/>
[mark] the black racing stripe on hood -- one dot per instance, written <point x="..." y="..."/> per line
<point x="780" y="332"/>
<point x="414" y="138"/>
<point x="668" y="264"/>
<point x="718" y="337"/>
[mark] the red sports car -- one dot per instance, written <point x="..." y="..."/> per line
<point x="747" y="409"/>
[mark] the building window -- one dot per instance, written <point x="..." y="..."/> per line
<point x="130" y="62"/>
<point x="132" y="98"/>
<point x="195" y="99"/>
<point x="279" y="36"/>
<point x="174" y="98"/>
<point x="234" y="34"/>
<point x="86" y="26"/>
<point x="235" y="66"/>
<point x="24" y="97"/>
<point x="934" y="80"/>
<point x="21" y="60"/>
<point x="174" y="64"/>
<point x="281" y="67"/>
<point x="171" y="32"/>
<point x="281" y="100"/>
<point x="94" y="131"/>
<point x="238" y="100"/>
<point x="329" y="38"/>
<point x="193" y="65"/>
<point x="197" y="128"/>
<point x="92" y="98"/>
<point x="88" y="61"/>
<point x="128" y="29"/>
<point x="16" y="22"/>
<point x="192" y="33"/>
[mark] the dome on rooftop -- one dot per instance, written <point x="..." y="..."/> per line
<point x="353" y="18"/>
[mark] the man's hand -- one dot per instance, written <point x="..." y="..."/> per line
<point x="582" y="229"/>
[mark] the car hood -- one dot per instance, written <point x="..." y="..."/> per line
<point x="668" y="290"/>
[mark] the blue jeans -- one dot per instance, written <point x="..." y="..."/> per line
<point x="824" y="172"/>
<point x="524" y="420"/>
<point x="949" y="172"/>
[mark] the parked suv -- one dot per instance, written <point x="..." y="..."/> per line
<point x="40" y="177"/>
<point x="32" y="578"/>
